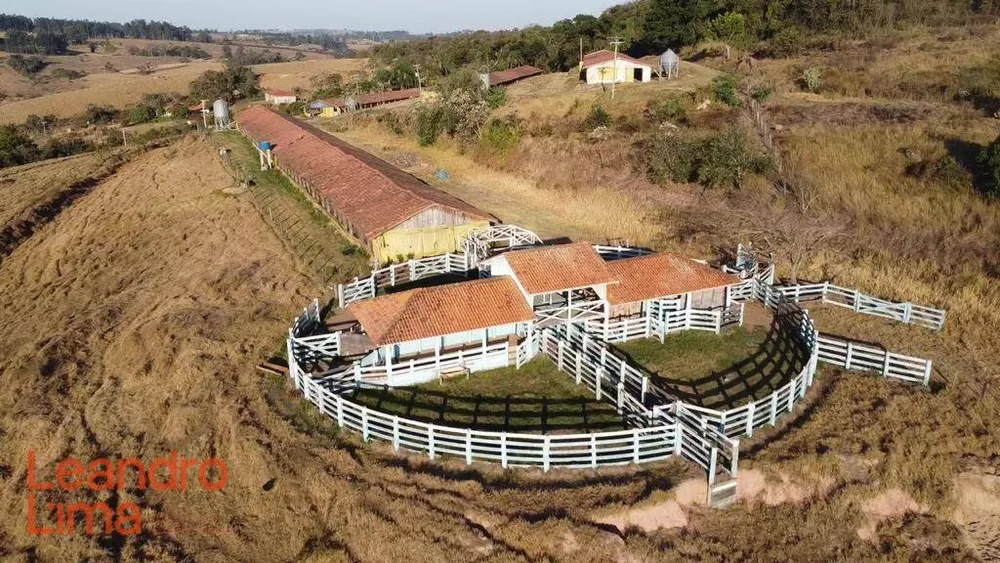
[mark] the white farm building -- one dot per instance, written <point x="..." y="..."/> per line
<point x="602" y="67"/>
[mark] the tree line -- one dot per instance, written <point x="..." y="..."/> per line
<point x="767" y="27"/>
<point x="78" y="31"/>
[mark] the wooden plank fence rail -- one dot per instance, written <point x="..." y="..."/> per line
<point x="402" y="273"/>
<point x="858" y="302"/>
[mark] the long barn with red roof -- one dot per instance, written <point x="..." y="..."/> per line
<point x="391" y="212"/>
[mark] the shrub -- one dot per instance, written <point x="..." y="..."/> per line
<point x="786" y="43"/>
<point x="811" y="79"/>
<point x="139" y="113"/>
<point x="100" y="114"/>
<point x="68" y="74"/>
<point x="597" y="117"/>
<point x="27" y="66"/>
<point x="430" y="125"/>
<point x="670" y="109"/>
<point x="945" y="171"/>
<point x="989" y="158"/>
<point x="495" y="97"/>
<point x="761" y="93"/>
<point x="15" y="147"/>
<point x="501" y="136"/>
<point x="728" y="158"/>
<point x="667" y="156"/>
<point x="391" y="122"/>
<point x="724" y="89"/>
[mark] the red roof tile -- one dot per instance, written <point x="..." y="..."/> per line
<point x="603" y="56"/>
<point x="281" y="93"/>
<point x="437" y="311"/>
<point x="659" y="275"/>
<point x="370" y="194"/>
<point x="513" y="75"/>
<point x="545" y="269"/>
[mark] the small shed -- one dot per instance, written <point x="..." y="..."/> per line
<point x="604" y="67"/>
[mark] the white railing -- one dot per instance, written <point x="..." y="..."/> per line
<point x="479" y="243"/>
<point x="852" y="355"/>
<point x="398" y="274"/>
<point x="528" y="349"/>
<point x="858" y="302"/>
<point x="618" y="252"/>
<point x="404" y="371"/>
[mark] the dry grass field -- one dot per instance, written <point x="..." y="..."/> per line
<point x="135" y="318"/>
<point x="120" y="90"/>
<point x="135" y="313"/>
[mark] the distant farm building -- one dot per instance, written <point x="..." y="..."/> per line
<point x="330" y="108"/>
<point x="505" y="77"/>
<point x="278" y="97"/>
<point x="601" y="67"/>
<point x="392" y="213"/>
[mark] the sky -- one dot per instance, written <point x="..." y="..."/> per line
<point x="417" y="16"/>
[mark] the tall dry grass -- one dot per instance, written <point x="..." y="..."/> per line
<point x="550" y="189"/>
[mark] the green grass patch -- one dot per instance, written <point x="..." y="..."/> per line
<point x="719" y="371"/>
<point x="537" y="399"/>
<point x="303" y="226"/>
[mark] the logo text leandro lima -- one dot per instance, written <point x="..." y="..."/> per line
<point x="63" y="517"/>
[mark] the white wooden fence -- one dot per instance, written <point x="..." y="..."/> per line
<point x="618" y="252"/>
<point x="852" y="355"/>
<point x="398" y="274"/>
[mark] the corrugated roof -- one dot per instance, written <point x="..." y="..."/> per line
<point x="545" y="269"/>
<point x="513" y="75"/>
<point x="659" y="275"/>
<point x="446" y="309"/>
<point x="602" y="56"/>
<point x="371" y="194"/>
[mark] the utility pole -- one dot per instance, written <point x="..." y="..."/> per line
<point x="616" y="41"/>
<point x="416" y="70"/>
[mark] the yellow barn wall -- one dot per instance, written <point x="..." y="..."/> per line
<point x="420" y="242"/>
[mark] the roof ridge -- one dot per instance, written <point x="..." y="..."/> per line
<point x="325" y="137"/>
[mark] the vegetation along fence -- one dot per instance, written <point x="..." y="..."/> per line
<point x="398" y="274"/>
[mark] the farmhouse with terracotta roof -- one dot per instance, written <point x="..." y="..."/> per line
<point x="409" y="335"/>
<point x="602" y="67"/>
<point x="392" y="213"/>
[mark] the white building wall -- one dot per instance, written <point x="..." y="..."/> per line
<point x="602" y="73"/>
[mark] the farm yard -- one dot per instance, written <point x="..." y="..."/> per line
<point x="148" y="291"/>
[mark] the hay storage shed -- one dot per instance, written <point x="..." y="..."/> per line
<point x="389" y="211"/>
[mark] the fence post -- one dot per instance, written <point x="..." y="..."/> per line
<point x="907" y="312"/>
<point x="468" y="446"/>
<point x="774" y="408"/>
<point x="927" y="374"/>
<point x="635" y="446"/>
<point x="850" y="352"/>
<point x="645" y="387"/>
<point x="503" y="450"/>
<point x="885" y="363"/>
<point x="395" y="433"/>
<point x="562" y="352"/>
<point x="621" y="395"/>
<point x="340" y="410"/>
<point x="857" y="301"/>
<point x="545" y="454"/>
<point x="340" y="295"/>
<point x="364" y="423"/>
<point x="430" y="441"/>
<point x="593" y="450"/>
<point x="750" y="413"/>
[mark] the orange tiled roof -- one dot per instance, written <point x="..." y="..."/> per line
<point x="603" y="56"/>
<point x="513" y="75"/>
<point x="545" y="269"/>
<point x="659" y="275"/>
<point x="280" y="93"/>
<point x="370" y="194"/>
<point x="436" y="311"/>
